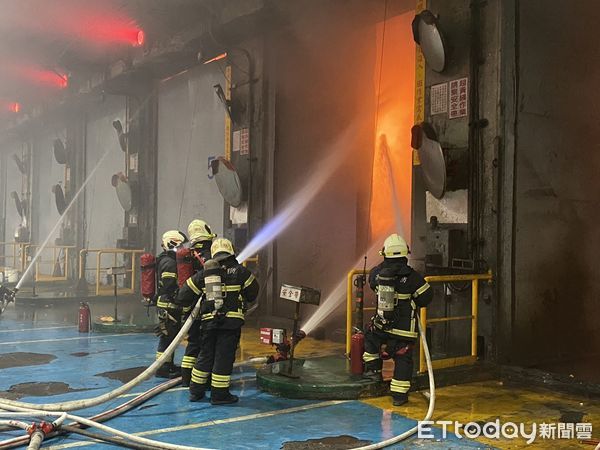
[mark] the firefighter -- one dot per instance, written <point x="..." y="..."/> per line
<point x="169" y="314"/>
<point x="400" y="292"/>
<point x="201" y="237"/>
<point x="226" y="287"/>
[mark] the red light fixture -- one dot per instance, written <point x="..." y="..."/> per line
<point x="140" y="38"/>
<point x="14" y="107"/>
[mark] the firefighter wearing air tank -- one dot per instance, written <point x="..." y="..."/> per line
<point x="201" y="237"/>
<point x="400" y="292"/>
<point x="169" y="314"/>
<point x="225" y="287"/>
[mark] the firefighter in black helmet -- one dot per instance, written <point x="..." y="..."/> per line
<point x="201" y="237"/>
<point x="400" y="292"/>
<point x="169" y="314"/>
<point x="225" y="287"/>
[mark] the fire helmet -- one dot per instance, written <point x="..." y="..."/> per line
<point x="394" y="246"/>
<point x="198" y="230"/>
<point x="172" y="239"/>
<point x="221" y="245"/>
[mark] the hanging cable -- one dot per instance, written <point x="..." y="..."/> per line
<point x="189" y="151"/>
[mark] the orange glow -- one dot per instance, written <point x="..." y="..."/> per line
<point x="392" y="158"/>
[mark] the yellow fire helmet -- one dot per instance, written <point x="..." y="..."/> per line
<point x="221" y="245"/>
<point x="172" y="239"/>
<point x="394" y="247"/>
<point x="198" y="230"/>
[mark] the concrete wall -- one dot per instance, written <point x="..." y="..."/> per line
<point x="191" y="130"/>
<point x="47" y="173"/>
<point x="325" y="65"/>
<point x="14" y="182"/>
<point x="557" y="234"/>
<point x="104" y="217"/>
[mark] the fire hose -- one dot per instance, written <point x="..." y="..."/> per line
<point x="106" y="415"/>
<point x="12" y="405"/>
<point x="430" y="409"/>
<point x="102" y="427"/>
<point x="124" y="439"/>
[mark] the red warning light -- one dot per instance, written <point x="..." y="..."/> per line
<point x="140" y="38"/>
<point x="15" y="107"/>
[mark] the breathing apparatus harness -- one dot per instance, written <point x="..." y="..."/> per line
<point x="214" y="288"/>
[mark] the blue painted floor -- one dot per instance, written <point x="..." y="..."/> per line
<point x="259" y="421"/>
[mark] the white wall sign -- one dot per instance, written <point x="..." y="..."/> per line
<point x="459" y="98"/>
<point x="439" y="98"/>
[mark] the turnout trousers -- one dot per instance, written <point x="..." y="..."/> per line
<point x="215" y="360"/>
<point x="401" y="351"/>
<point x="192" y="351"/>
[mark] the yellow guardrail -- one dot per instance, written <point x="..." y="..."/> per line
<point x="253" y="259"/>
<point x="15" y="257"/>
<point x="60" y="256"/>
<point x="99" y="269"/>
<point x="460" y="360"/>
<point x="473" y="317"/>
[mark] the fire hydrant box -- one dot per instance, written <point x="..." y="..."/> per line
<point x="278" y="336"/>
<point x="266" y="335"/>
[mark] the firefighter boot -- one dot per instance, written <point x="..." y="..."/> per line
<point x="186" y="376"/>
<point x="222" y="396"/>
<point x="168" y="370"/>
<point x="399" y="399"/>
<point x="373" y="375"/>
<point x="197" y="395"/>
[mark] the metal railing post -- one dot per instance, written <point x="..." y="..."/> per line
<point x="423" y="321"/>
<point x="349" y="312"/>
<point x="474" y="313"/>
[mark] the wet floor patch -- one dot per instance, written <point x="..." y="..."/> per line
<point x="123" y="375"/>
<point x="82" y="354"/>
<point x="21" y="359"/>
<point x="327" y="443"/>
<point x="42" y="389"/>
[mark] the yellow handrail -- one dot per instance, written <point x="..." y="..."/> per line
<point x="252" y="259"/>
<point x="39" y="276"/>
<point x="132" y="269"/>
<point x="18" y="258"/>
<point x="438" y="363"/>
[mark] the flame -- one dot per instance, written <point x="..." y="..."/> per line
<point x="392" y="157"/>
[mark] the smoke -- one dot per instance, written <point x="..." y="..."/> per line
<point x="337" y="296"/>
<point x="298" y="203"/>
<point x="59" y="221"/>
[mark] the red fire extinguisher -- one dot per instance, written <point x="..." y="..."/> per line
<point x="85" y="318"/>
<point x="185" y="265"/>
<point x="357" y="348"/>
<point x="148" y="282"/>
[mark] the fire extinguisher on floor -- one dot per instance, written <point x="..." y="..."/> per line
<point x="357" y="347"/>
<point x="85" y="318"/>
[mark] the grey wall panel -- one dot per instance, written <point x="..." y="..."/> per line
<point x="104" y="214"/>
<point x="557" y="214"/>
<point x="190" y="132"/>
<point x="48" y="173"/>
<point x="14" y="182"/>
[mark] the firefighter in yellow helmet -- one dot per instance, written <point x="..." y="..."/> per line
<point x="225" y="287"/>
<point x="169" y="314"/>
<point x="400" y="292"/>
<point x="201" y="237"/>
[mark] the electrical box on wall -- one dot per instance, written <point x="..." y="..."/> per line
<point x="446" y="246"/>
